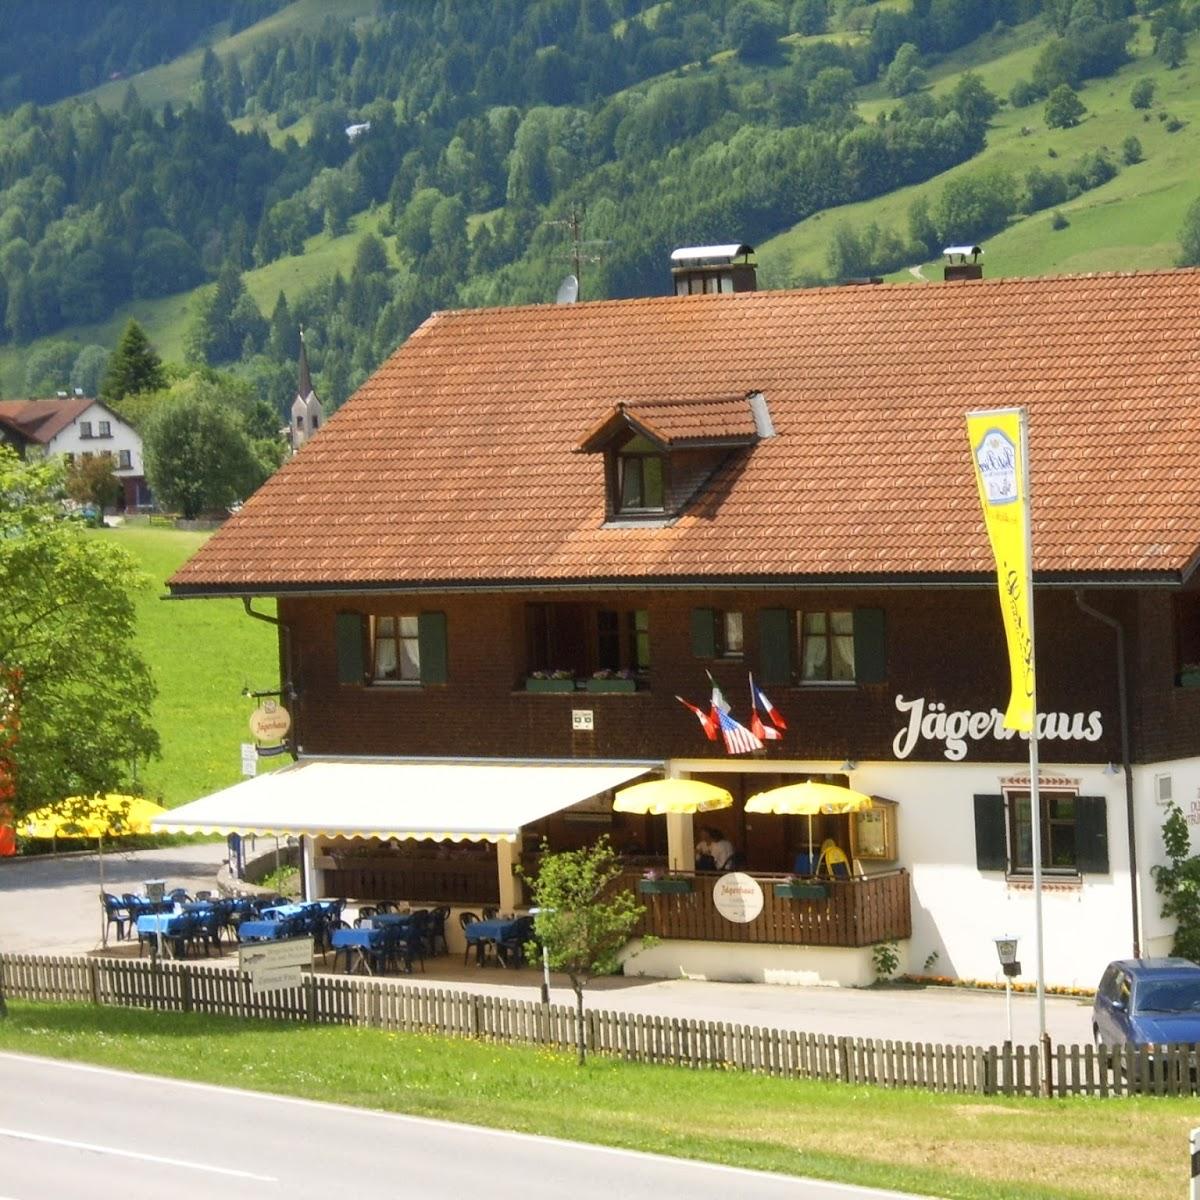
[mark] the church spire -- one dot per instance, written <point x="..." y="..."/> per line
<point x="306" y="408"/>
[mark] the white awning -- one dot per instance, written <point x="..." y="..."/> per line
<point x="445" y="801"/>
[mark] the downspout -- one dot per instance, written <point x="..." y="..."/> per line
<point x="1126" y="766"/>
<point x="287" y="688"/>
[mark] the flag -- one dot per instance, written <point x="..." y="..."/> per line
<point x="764" y="733"/>
<point x="738" y="739"/>
<point x="1002" y="473"/>
<point x="757" y="697"/>
<point x="707" y="723"/>
<point x="718" y="700"/>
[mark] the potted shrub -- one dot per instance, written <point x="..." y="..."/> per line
<point x="654" y="882"/>
<point x="612" y="681"/>
<point x="796" y="888"/>
<point x="550" y="681"/>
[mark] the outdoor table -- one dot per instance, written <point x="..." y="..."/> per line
<point x="358" y="945"/>
<point x="167" y="929"/>
<point x="263" y="931"/>
<point x="395" y="920"/>
<point x="286" y="910"/>
<point x="482" y="934"/>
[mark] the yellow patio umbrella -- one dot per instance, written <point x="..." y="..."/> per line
<point x="806" y="799"/>
<point x="96" y="817"/>
<point x="660" y="796"/>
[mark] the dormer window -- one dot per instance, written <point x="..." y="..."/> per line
<point x="640" y="476"/>
<point x="659" y="455"/>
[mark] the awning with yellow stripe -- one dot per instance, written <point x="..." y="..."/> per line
<point x="454" y="801"/>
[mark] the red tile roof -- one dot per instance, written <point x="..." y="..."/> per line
<point x="672" y="422"/>
<point x="41" y="420"/>
<point x="454" y="462"/>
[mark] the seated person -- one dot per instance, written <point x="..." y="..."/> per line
<point x="721" y="849"/>
<point x="704" y="857"/>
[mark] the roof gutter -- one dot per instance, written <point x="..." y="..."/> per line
<point x="248" y="591"/>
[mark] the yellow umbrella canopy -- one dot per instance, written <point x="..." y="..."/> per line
<point x="672" y="796"/>
<point x="807" y="799"/>
<point x="92" y="817"/>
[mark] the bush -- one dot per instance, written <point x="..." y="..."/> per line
<point x="1022" y="94"/>
<point x="1058" y="221"/>
<point x="1141" y="95"/>
<point x="1064" y="109"/>
<point x="1174" y="125"/>
<point x="1131" y="151"/>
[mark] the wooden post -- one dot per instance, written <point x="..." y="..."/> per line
<point x="93" y="968"/>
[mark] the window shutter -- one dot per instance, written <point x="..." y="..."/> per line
<point x="774" y="646"/>
<point x="1091" y="835"/>
<point x="870" y="650"/>
<point x="431" y="639"/>
<point x="991" y="844"/>
<point x="704" y="633"/>
<point x="350" y="635"/>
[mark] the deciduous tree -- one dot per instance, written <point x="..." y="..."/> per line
<point x="67" y="628"/>
<point x="583" y="921"/>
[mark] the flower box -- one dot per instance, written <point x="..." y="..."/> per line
<point x="802" y="891"/>
<point x="662" y="887"/>
<point x="1189" y="677"/>
<point x="612" y="685"/>
<point x="549" y="685"/>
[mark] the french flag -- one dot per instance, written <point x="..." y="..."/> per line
<point x="765" y="733"/>
<point x="738" y="739"/>
<point x="758" y="696"/>
<point x="707" y="721"/>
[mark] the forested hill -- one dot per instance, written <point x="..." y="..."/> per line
<point x="256" y="164"/>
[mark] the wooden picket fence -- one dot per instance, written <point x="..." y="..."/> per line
<point x="175" y="986"/>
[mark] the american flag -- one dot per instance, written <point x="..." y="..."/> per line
<point x="738" y="739"/>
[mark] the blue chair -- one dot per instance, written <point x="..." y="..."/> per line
<point x="802" y="865"/>
<point x="116" y="912"/>
<point x="510" y="949"/>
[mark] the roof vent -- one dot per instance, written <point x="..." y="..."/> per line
<point x="700" y="269"/>
<point x="61" y="395"/>
<point x="763" y="425"/>
<point x="961" y="269"/>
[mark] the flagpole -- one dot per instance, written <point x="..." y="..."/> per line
<point x="1035" y="800"/>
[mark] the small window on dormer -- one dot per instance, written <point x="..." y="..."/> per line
<point x="640" y="477"/>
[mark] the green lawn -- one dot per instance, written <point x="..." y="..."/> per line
<point x="971" y="1148"/>
<point x="202" y="653"/>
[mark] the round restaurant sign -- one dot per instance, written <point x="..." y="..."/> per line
<point x="738" y="897"/>
<point x="270" y="721"/>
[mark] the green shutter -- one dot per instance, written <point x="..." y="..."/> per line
<point x="1091" y="835"/>
<point x="704" y="633"/>
<point x="991" y="843"/>
<point x="351" y="662"/>
<point x="870" y="650"/>
<point x="431" y="637"/>
<point x="774" y="646"/>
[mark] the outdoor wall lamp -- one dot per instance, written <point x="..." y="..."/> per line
<point x="848" y="766"/>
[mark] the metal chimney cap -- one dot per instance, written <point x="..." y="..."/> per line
<point x="963" y="251"/>
<point x="711" y="254"/>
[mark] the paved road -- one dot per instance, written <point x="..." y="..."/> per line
<point x="71" y="1130"/>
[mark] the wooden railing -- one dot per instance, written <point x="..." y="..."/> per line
<point x="638" y="1037"/>
<point x="440" y="881"/>
<point x="856" y="912"/>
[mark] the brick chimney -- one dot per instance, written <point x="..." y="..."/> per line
<point x="957" y="266"/>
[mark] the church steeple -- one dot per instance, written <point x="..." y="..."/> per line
<point x="306" y="408"/>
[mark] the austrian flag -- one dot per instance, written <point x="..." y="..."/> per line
<point x="707" y="721"/>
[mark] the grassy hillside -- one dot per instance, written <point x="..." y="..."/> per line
<point x="202" y="653"/>
<point x="1131" y="222"/>
<point x="174" y="80"/>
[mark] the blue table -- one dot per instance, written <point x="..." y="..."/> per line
<point x="482" y="934"/>
<point x="264" y="931"/>
<point x="168" y="930"/>
<point x="359" y="946"/>
<point x="287" y="910"/>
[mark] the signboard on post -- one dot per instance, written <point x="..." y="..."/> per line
<point x="272" y="965"/>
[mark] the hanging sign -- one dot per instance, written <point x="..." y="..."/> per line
<point x="270" y="722"/>
<point x="249" y="759"/>
<point x="738" y="897"/>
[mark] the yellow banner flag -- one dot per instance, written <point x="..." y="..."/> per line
<point x="997" y="450"/>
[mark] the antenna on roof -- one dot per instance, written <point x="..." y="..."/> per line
<point x="568" y="291"/>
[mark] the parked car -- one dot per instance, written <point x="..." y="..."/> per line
<point x="1148" y="1001"/>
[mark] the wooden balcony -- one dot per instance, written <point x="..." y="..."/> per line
<point x="857" y="912"/>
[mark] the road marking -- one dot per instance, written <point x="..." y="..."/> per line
<point x="154" y="1158"/>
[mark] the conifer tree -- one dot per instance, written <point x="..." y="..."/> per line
<point x="134" y="367"/>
